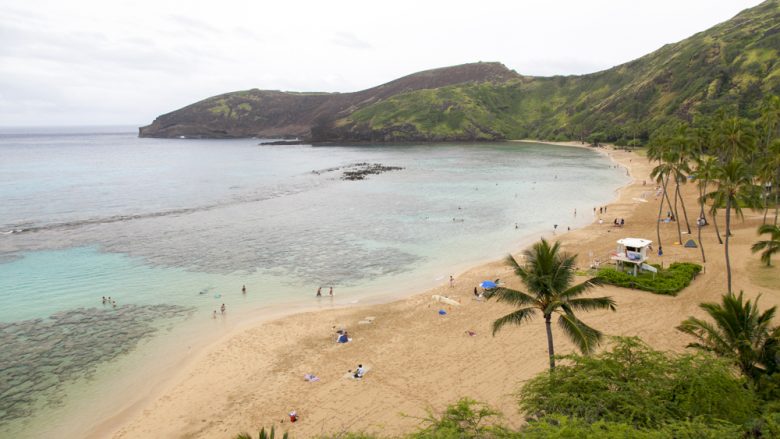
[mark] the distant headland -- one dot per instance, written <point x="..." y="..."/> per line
<point x="732" y="66"/>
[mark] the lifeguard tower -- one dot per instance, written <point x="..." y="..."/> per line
<point x="632" y="252"/>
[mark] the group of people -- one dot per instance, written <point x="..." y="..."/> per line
<point x="619" y="222"/>
<point x="222" y="310"/>
<point x="319" y="292"/>
<point x="342" y="336"/>
<point x="109" y="301"/>
<point x="602" y="209"/>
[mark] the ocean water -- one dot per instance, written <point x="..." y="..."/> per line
<point x="172" y="229"/>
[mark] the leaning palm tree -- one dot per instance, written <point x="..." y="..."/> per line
<point x="739" y="332"/>
<point x="769" y="246"/>
<point x="548" y="276"/>
<point x="661" y="174"/>
<point x="735" y="189"/>
<point x="705" y="167"/>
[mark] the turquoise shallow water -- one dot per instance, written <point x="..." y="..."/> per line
<point x="171" y="229"/>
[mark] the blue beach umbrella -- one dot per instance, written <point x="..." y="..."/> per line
<point x="488" y="284"/>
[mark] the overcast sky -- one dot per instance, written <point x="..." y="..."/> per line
<point x="95" y="62"/>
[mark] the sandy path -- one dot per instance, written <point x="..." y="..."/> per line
<point x="420" y="360"/>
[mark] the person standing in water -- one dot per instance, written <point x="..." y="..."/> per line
<point x="330" y="293"/>
<point x="243" y="289"/>
<point x="222" y="309"/>
<point x="319" y="292"/>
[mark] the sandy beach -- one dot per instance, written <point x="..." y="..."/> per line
<point x="419" y="360"/>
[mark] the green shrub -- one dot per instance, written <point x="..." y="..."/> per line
<point x="466" y="419"/>
<point x="560" y="427"/>
<point x="634" y="384"/>
<point x="669" y="281"/>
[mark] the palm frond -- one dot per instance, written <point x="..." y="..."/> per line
<point x="592" y="303"/>
<point x="585" y="337"/>
<point x="510" y="296"/>
<point x="514" y="318"/>
<point x="581" y="288"/>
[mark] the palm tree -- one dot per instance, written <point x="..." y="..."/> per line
<point x="682" y="150"/>
<point x="739" y="332"/>
<point x="661" y="174"/>
<point x="704" y="172"/>
<point x="734" y="189"/>
<point x="735" y="139"/>
<point x="770" y="173"/>
<point x="548" y="275"/>
<point x="770" y="246"/>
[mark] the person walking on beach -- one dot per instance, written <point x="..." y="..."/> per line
<point x="452" y="281"/>
<point x="330" y="293"/>
<point x="222" y="309"/>
<point x="555" y="228"/>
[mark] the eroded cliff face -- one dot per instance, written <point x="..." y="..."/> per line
<point x="266" y="113"/>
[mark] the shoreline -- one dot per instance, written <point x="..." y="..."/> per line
<point x="262" y="380"/>
<point x="111" y="426"/>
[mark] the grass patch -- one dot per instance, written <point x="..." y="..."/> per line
<point x="667" y="281"/>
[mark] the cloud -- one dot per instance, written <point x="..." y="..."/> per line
<point x="348" y="40"/>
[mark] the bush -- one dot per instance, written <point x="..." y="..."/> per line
<point x="669" y="281"/>
<point x="645" y="388"/>
<point x="560" y="427"/>
<point x="466" y="419"/>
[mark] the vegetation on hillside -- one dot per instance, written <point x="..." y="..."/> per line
<point x="729" y="66"/>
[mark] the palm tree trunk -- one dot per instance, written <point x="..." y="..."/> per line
<point x="685" y="212"/>
<point x="702" y="190"/>
<point x="676" y="216"/>
<point x="715" y="223"/>
<point x="728" y="229"/>
<point x="550" y="349"/>
<point x="660" y="210"/>
<point x="777" y="206"/>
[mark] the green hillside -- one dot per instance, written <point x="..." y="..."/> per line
<point x="731" y="66"/>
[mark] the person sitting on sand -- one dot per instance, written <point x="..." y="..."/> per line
<point x="476" y="294"/>
<point x="343" y="338"/>
<point x="293" y="416"/>
<point x="359" y="372"/>
<point x="471" y="333"/>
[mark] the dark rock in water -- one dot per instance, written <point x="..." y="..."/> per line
<point x="39" y="356"/>
<point x="282" y="142"/>
<point x="359" y="171"/>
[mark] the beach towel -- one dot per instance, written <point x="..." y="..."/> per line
<point x="442" y="312"/>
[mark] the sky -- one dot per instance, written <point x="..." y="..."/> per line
<point x="120" y="62"/>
